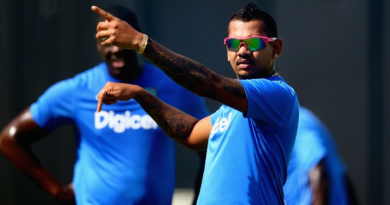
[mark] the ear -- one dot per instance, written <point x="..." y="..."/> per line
<point x="277" y="46"/>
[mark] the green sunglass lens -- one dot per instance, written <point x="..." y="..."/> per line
<point x="254" y="44"/>
<point x="233" y="44"/>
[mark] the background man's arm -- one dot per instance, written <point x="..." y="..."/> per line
<point x="15" y="143"/>
<point x="320" y="184"/>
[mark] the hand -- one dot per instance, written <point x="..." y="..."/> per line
<point x="117" y="32"/>
<point x="65" y="195"/>
<point x="112" y="92"/>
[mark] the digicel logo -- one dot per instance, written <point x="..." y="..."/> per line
<point x="120" y="122"/>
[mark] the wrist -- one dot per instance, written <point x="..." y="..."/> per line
<point x="138" y="41"/>
<point x="47" y="182"/>
<point x="139" y="92"/>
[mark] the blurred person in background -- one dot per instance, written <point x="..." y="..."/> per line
<point x="123" y="157"/>
<point x="250" y="138"/>
<point x="316" y="174"/>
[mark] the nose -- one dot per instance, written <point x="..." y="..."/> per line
<point x="243" y="50"/>
<point x="113" y="49"/>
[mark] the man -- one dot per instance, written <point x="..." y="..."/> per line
<point x="123" y="157"/>
<point x="250" y="138"/>
<point x="316" y="174"/>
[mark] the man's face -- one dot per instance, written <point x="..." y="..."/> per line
<point x="116" y="58"/>
<point x="247" y="64"/>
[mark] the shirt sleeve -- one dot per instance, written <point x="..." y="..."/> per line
<point x="308" y="148"/>
<point x="55" y="107"/>
<point x="269" y="101"/>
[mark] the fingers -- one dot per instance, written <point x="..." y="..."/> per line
<point x="105" y="37"/>
<point x="105" y="34"/>
<point x="103" y="13"/>
<point x="103" y="26"/>
<point x="100" y="100"/>
<point x="106" y="98"/>
<point x="109" y="101"/>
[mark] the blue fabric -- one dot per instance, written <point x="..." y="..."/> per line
<point x="123" y="157"/>
<point x="247" y="157"/>
<point x="313" y="144"/>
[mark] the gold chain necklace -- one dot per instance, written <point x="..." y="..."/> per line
<point x="275" y="74"/>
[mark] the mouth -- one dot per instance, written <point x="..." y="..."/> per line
<point x="116" y="62"/>
<point x="244" y="64"/>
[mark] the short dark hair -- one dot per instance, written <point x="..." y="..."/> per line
<point x="124" y="14"/>
<point x="250" y="12"/>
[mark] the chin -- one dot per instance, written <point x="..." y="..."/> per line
<point x="244" y="75"/>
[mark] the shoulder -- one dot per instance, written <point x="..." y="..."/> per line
<point x="262" y="85"/>
<point x="86" y="77"/>
<point x="307" y="119"/>
<point x="67" y="86"/>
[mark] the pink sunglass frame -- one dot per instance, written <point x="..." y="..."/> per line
<point x="264" y="38"/>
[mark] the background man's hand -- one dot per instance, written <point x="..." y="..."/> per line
<point x="65" y="195"/>
<point x="116" y="32"/>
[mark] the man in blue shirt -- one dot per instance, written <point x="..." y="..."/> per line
<point x="250" y="138"/>
<point x="316" y="174"/>
<point x="123" y="156"/>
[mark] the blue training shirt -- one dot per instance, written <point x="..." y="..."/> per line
<point x="123" y="157"/>
<point x="247" y="156"/>
<point x="313" y="144"/>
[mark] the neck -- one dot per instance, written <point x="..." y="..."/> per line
<point x="272" y="71"/>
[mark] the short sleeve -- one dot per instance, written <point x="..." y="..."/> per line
<point x="55" y="106"/>
<point x="269" y="101"/>
<point x="308" y="148"/>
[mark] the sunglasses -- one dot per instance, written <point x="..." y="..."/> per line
<point x="252" y="43"/>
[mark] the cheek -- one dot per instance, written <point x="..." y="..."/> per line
<point x="232" y="57"/>
<point x="263" y="57"/>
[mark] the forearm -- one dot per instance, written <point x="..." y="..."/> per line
<point x="25" y="160"/>
<point x="319" y="184"/>
<point x="174" y="122"/>
<point x="189" y="73"/>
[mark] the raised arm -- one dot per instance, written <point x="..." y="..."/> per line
<point x="181" y="127"/>
<point x="188" y="73"/>
<point x="196" y="77"/>
<point x="15" y="143"/>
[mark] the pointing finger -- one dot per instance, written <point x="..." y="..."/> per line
<point x="100" y="97"/>
<point x="103" y="13"/>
